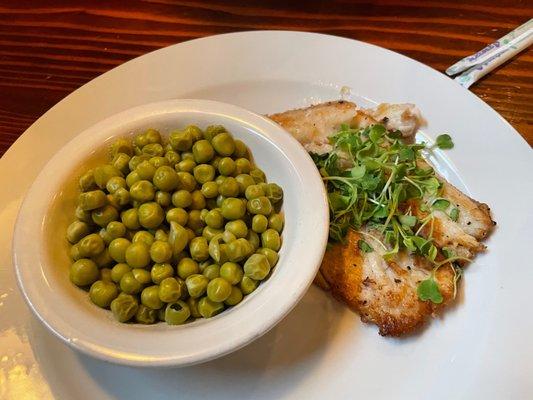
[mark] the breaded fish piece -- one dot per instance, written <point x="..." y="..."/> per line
<point x="385" y="292"/>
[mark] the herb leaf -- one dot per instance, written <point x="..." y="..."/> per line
<point x="444" y="142"/>
<point x="364" y="246"/>
<point x="429" y="290"/>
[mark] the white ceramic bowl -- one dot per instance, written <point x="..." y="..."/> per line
<point x="40" y="248"/>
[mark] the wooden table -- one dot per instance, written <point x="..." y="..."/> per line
<point x="50" y="48"/>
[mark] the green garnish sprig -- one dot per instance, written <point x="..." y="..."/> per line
<point x="374" y="179"/>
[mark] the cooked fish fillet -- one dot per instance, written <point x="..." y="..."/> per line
<point x="385" y="292"/>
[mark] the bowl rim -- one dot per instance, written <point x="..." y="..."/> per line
<point x="265" y="128"/>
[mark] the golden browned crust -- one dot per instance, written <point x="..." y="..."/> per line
<point x="383" y="293"/>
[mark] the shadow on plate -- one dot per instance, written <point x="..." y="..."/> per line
<point x="294" y="347"/>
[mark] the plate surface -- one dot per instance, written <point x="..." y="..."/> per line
<point x="479" y="349"/>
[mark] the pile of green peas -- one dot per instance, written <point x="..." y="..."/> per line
<point x="174" y="231"/>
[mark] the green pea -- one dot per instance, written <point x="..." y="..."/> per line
<point x="76" y="231"/>
<point x="233" y="208"/>
<point x="130" y="219"/>
<point x="238" y="228"/>
<point x="195" y="220"/>
<point x="121" y="162"/>
<point x="203" y="151"/>
<point x="231" y="272"/>
<point x="128" y="284"/>
<point x="229" y="187"/>
<point x="82" y="215"/>
<point x="274" y="192"/>
<point x="142" y="191"/>
<point x="104" y="215"/>
<point x="143" y="237"/>
<point x="218" y="290"/>
<point x="196" y="285"/>
<point x="212" y="130"/>
<point x="103" y="173"/>
<point x="253" y="192"/>
<point x="187" y="181"/>
<point x="210" y="190"/>
<point x="177" y="237"/>
<point x="113" y="201"/>
<point x="178" y="215"/>
<point x="161" y="235"/>
<point x="219" y="200"/>
<point x="270" y="254"/>
<point x="259" y="223"/>
<point x="92" y="200"/>
<point x="211" y="271"/>
<point x="242" y="166"/>
<point x="103" y="259"/>
<point x="208" y="308"/>
<point x="228" y="237"/>
<point x="117" y="249"/>
<point x="140" y="140"/>
<point x="214" y="219"/>
<point x="161" y="252"/>
<point x="151" y="215"/>
<point x="253" y="239"/>
<point x="137" y="255"/>
<point x="159" y="272"/>
<point x="122" y="145"/>
<point x="257" y="267"/>
<point x="166" y="178"/>
<point x="124" y="307"/>
<point x="180" y="140"/>
<point x="105" y="274"/>
<point x="215" y="161"/>
<point x="118" y="271"/>
<point x="186" y="165"/>
<point x="153" y="149"/>
<point x="244" y="181"/>
<point x="83" y="272"/>
<point x="132" y="178"/>
<point x="276" y="221"/>
<point x="182" y="198"/>
<point x="239" y="249"/>
<point x="74" y="252"/>
<point x="177" y="313"/>
<point x="102" y="293"/>
<point x="204" y="173"/>
<point x="136" y="160"/>
<point x="186" y="267"/>
<point x="247" y="285"/>
<point x="258" y="175"/>
<point x="209" y="233"/>
<point x="193" y="307"/>
<point x="142" y="275"/>
<point x="223" y="144"/>
<point x="146" y="315"/>
<point x="169" y="290"/>
<point x="172" y="157"/>
<point x="226" y="166"/>
<point x="121" y="198"/>
<point x="271" y="239"/>
<point x="160" y="161"/>
<point x="235" y="297"/>
<point x="105" y="236"/>
<point x="164" y="199"/>
<point x="187" y="155"/>
<point x="115" y="183"/>
<point x="260" y="205"/>
<point x="150" y="297"/>
<point x="91" y="245"/>
<point x="115" y="229"/>
<point x="195" y="131"/>
<point x="199" y="249"/>
<point x="241" y="151"/>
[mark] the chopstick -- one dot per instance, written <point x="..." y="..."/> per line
<point x="474" y="67"/>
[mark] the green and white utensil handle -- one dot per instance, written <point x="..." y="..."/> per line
<point x="474" y="67"/>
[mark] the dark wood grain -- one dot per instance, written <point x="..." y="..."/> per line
<point x="50" y="48"/>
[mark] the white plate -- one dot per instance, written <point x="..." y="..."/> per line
<point x="479" y="349"/>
